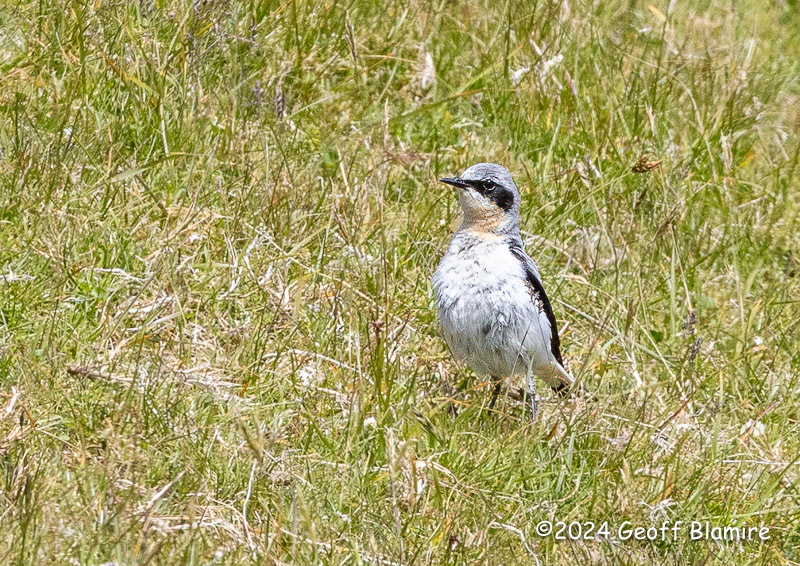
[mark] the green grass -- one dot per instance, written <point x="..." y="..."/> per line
<point x="218" y="222"/>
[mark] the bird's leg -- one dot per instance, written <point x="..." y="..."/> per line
<point x="498" y="384"/>
<point x="531" y="379"/>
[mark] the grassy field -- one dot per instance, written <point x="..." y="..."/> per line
<point x="218" y="223"/>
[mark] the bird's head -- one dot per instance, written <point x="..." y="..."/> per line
<point x="489" y="198"/>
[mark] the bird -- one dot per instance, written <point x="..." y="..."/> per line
<point x="490" y="301"/>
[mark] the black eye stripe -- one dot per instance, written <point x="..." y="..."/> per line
<point x="503" y="198"/>
<point x="484" y="186"/>
<point x="496" y="193"/>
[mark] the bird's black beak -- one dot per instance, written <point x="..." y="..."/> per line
<point x="456" y="183"/>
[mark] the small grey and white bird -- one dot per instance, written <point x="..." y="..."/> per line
<point x="490" y="300"/>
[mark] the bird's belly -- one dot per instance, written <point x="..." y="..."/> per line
<point x="488" y="317"/>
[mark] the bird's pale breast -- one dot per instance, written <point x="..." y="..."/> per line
<point x="488" y="315"/>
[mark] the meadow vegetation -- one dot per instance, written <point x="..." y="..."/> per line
<point x="218" y="222"/>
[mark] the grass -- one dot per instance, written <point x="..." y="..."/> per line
<point x="218" y="221"/>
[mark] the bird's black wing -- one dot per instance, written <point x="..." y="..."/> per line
<point x="532" y="276"/>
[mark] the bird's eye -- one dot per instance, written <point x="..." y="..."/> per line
<point x="487" y="186"/>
